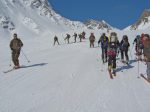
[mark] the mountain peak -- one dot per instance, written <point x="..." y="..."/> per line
<point x="142" y="23"/>
<point x="93" y="24"/>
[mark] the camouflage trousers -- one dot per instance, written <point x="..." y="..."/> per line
<point x="15" y="56"/>
<point x="91" y="44"/>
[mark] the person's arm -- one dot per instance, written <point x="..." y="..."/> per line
<point x="21" y="43"/>
<point x="11" y="45"/>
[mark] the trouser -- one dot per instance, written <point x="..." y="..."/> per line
<point x="112" y="61"/>
<point x="80" y="39"/>
<point x="91" y="44"/>
<point x="104" y="54"/>
<point x="56" y="41"/>
<point x="15" y="56"/>
<point x="124" y="52"/>
<point x="148" y="70"/>
<point x="75" y="39"/>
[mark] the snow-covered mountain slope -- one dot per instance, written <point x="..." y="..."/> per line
<point x="143" y="22"/>
<point x="98" y="25"/>
<point x="33" y="16"/>
<point x="70" y="78"/>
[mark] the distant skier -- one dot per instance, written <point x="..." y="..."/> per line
<point x="104" y="46"/>
<point x="83" y="35"/>
<point x="15" y="46"/>
<point x="92" y="40"/>
<point x="138" y="47"/>
<point x="56" y="40"/>
<point x="67" y="38"/>
<point x="80" y="37"/>
<point x="124" y="47"/>
<point x="146" y="52"/>
<point x="112" y="53"/>
<point x="75" y="37"/>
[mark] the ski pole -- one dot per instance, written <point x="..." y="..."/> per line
<point x="138" y="69"/>
<point x="25" y="56"/>
<point x="130" y="54"/>
<point x="10" y="62"/>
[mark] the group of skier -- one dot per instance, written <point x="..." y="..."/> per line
<point x="68" y="36"/>
<point x="110" y="47"/>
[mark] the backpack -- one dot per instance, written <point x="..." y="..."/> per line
<point x="146" y="50"/>
<point x="139" y="42"/>
<point x="104" y="41"/>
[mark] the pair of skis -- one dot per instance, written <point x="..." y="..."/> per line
<point x="12" y="69"/>
<point x="146" y="79"/>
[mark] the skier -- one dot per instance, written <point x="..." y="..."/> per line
<point x="80" y="37"/>
<point x="15" y="46"/>
<point x="83" y="35"/>
<point x="124" y="47"/>
<point x="92" y="40"/>
<point x="56" y="40"/>
<point x="67" y="38"/>
<point x="146" y="52"/>
<point x="138" y="47"/>
<point x="112" y="53"/>
<point x="104" y="46"/>
<point x="75" y="37"/>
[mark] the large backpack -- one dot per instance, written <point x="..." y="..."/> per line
<point x="104" y="41"/>
<point x="146" y="50"/>
<point x="125" y="43"/>
<point x="139" y="42"/>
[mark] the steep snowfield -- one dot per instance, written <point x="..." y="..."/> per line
<point x="69" y="78"/>
<point x="31" y="17"/>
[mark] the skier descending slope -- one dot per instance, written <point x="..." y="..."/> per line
<point x="124" y="47"/>
<point x="112" y="53"/>
<point x="104" y="46"/>
<point x="146" y="42"/>
<point x="15" y="46"/>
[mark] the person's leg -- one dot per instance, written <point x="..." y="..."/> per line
<point x="102" y="54"/>
<point x="114" y="62"/>
<point x="105" y="54"/>
<point x="126" y="55"/>
<point x="122" y="55"/>
<point x="13" y="57"/>
<point x="114" y="65"/>
<point x="17" y="58"/>
<point x="109" y="62"/>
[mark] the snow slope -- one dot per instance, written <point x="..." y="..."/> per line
<point x="33" y="17"/>
<point x="70" y="78"/>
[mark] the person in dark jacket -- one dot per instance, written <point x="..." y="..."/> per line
<point x="75" y="37"/>
<point x="67" y="38"/>
<point x="124" y="48"/>
<point x="104" y="46"/>
<point x="15" y="46"/>
<point x="56" y="40"/>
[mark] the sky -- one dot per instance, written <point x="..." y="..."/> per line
<point x="118" y="13"/>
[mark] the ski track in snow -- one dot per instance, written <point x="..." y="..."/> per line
<point x="71" y="78"/>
